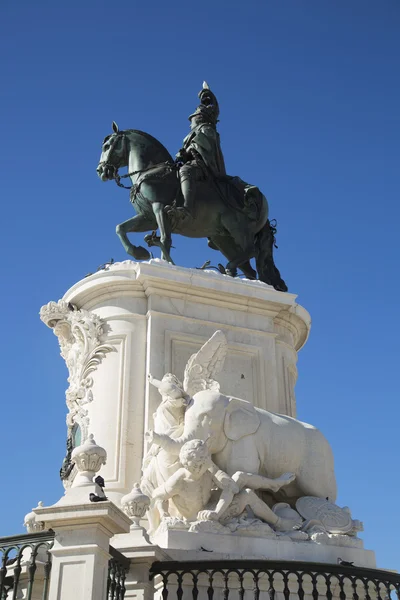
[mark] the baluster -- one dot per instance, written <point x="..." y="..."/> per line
<point x="123" y="578"/>
<point x="109" y="579"/>
<point x="397" y="590"/>
<point x="210" y="590"/>
<point x="256" y="588"/>
<point x="195" y="590"/>
<point x="300" y="591"/>
<point x="113" y="582"/>
<point x="314" y="581"/>
<point x="329" y="594"/>
<point x="165" y="586"/>
<point x="241" y="588"/>
<point x="46" y="579"/>
<point x="117" y="581"/>
<point x="3" y="573"/>
<point x="179" y="591"/>
<point x="17" y="573"/>
<point x="31" y="571"/>
<point x="286" y="590"/>
<point x="354" y="586"/>
<point x="271" y="589"/>
<point x="378" y="589"/>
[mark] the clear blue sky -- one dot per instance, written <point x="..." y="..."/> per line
<point x="309" y="94"/>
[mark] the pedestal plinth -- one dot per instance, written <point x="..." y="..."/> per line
<point x="81" y="547"/>
<point x="182" y="545"/>
<point x="120" y="324"/>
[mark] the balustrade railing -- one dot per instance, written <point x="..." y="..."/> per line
<point x="118" y="567"/>
<point x="271" y="580"/>
<point x="25" y="566"/>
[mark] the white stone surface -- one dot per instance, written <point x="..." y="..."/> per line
<point x="131" y="320"/>
<point x="182" y="545"/>
<point x="153" y="316"/>
<point x="80" y="552"/>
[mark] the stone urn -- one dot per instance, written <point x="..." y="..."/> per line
<point x="88" y="458"/>
<point x="135" y="505"/>
<point x="31" y="523"/>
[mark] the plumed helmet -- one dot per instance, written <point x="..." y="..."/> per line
<point x="208" y="106"/>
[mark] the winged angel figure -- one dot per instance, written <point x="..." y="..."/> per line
<point x="160" y="464"/>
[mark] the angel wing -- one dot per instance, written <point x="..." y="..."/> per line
<point x="203" y="366"/>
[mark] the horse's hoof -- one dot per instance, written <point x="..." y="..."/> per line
<point x="231" y="272"/>
<point x="139" y="253"/>
<point x="252" y="275"/>
<point x="221" y="269"/>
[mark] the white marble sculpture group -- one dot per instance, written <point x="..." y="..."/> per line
<point x="217" y="464"/>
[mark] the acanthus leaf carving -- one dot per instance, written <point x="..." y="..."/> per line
<point x="79" y="334"/>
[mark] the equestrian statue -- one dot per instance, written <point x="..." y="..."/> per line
<point x="192" y="195"/>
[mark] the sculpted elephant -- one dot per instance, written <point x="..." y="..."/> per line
<point x="244" y="438"/>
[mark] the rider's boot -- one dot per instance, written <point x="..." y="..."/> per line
<point x="188" y="188"/>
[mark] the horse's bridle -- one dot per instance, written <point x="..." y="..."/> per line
<point x="114" y="170"/>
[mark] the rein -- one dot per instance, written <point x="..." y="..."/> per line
<point x="117" y="178"/>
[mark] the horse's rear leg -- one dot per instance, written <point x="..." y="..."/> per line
<point x="137" y="223"/>
<point x="230" y="250"/>
<point x="245" y="241"/>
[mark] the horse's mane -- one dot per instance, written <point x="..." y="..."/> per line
<point x="149" y="137"/>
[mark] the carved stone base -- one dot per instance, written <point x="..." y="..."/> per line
<point x="184" y="545"/>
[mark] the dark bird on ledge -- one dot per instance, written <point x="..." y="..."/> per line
<point x="96" y="498"/>
<point x="100" y="481"/>
<point x="345" y="563"/>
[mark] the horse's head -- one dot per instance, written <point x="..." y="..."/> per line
<point x="113" y="154"/>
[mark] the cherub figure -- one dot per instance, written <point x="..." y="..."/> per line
<point x="190" y="489"/>
<point x="159" y="465"/>
<point x="191" y="485"/>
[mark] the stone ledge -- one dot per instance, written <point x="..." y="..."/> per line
<point x="158" y="278"/>
<point x="105" y="514"/>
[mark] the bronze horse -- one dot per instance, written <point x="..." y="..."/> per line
<point x="239" y="234"/>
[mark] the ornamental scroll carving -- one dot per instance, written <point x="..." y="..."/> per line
<point x="79" y="334"/>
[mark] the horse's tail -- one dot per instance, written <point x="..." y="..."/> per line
<point x="267" y="271"/>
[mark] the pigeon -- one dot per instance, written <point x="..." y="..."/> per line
<point x="344" y="563"/>
<point x="100" y="481"/>
<point x="96" y="498"/>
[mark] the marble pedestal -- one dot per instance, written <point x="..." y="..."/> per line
<point x="120" y="324"/>
<point x="183" y="545"/>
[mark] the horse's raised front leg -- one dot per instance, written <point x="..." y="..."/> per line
<point x="137" y="223"/>
<point x="165" y="241"/>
